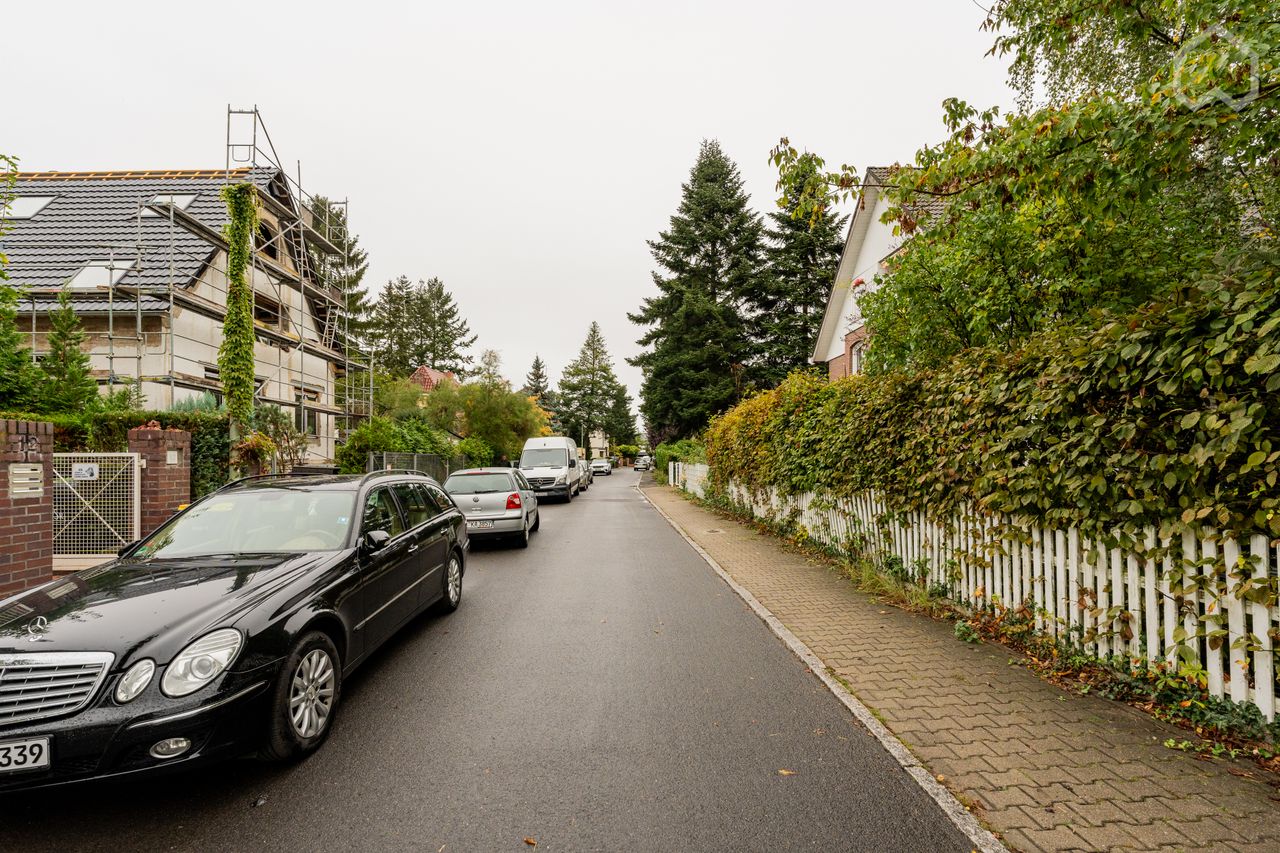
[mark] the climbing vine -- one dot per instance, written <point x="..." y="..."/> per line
<point x="235" y="356"/>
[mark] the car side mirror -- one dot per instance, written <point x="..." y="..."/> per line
<point x="573" y="463"/>
<point x="125" y="549"/>
<point x="376" y="540"/>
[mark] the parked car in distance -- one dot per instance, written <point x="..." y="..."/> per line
<point x="551" y="465"/>
<point x="588" y="477"/>
<point x="496" y="502"/>
<point x="601" y="466"/>
<point x="642" y="463"/>
<point x="229" y="629"/>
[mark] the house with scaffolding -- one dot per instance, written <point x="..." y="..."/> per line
<point x="144" y="259"/>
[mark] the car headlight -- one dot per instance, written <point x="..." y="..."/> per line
<point x="135" y="681"/>
<point x="201" y="662"/>
<point x="560" y="481"/>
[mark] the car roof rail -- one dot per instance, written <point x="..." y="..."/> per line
<point x="384" y="471"/>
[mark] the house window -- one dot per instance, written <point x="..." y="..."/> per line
<point x="857" y="357"/>
<point x="267" y="312"/>
<point x="26" y="206"/>
<point x="101" y="273"/>
<point x="307" y="420"/>
<point x="179" y="200"/>
<point x="267" y="242"/>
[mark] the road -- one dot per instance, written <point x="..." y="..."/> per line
<point x="602" y="690"/>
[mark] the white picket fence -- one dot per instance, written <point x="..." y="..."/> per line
<point x="1108" y="601"/>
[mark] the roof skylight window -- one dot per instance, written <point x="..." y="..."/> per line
<point x="26" y="206"/>
<point x="179" y="200"/>
<point x="102" y="273"/>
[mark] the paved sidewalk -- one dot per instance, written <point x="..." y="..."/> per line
<point x="1046" y="769"/>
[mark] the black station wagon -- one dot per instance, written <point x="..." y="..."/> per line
<point x="228" y="630"/>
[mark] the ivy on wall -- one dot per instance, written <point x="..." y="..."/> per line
<point x="235" y="355"/>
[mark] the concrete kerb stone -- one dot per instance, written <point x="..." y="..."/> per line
<point x="982" y="838"/>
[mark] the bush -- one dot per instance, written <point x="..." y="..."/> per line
<point x="478" y="453"/>
<point x="684" y="450"/>
<point x="411" y="434"/>
<point x="375" y="435"/>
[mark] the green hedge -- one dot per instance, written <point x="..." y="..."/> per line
<point x="108" y="432"/>
<point x="1168" y="417"/>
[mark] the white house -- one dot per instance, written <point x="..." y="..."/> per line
<point x="143" y="257"/>
<point x="842" y="339"/>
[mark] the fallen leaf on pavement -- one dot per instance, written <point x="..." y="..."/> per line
<point x="942" y="778"/>
<point x="785" y="772"/>
<point x="532" y="842"/>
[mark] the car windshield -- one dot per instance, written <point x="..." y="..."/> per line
<point x="544" y="457"/>
<point x="477" y="484"/>
<point x="273" y="519"/>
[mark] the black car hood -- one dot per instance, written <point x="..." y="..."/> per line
<point x="145" y="607"/>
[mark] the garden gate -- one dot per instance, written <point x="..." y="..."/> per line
<point x="96" y="506"/>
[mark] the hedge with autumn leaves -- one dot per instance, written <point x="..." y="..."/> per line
<point x="1166" y="417"/>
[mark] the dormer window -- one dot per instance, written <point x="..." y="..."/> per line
<point x="26" y="206"/>
<point x="102" y="273"/>
<point x="179" y="200"/>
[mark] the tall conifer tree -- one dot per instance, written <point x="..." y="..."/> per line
<point x="588" y="389"/>
<point x="709" y="261"/>
<point x="787" y="307"/>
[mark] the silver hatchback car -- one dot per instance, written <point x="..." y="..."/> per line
<point x="495" y="502"/>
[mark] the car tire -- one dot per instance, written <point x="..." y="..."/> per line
<point x="452" y="594"/>
<point x="300" y="717"/>
<point x="537" y="522"/>
<point x="522" y="538"/>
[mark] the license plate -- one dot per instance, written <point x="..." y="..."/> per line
<point x="479" y="525"/>
<point x="30" y="754"/>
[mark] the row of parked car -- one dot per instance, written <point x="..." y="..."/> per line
<point x="231" y="628"/>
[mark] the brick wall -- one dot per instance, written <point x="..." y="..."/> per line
<point x="26" y="523"/>
<point x="166" y="471"/>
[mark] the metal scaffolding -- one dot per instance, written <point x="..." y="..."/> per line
<point x="301" y="257"/>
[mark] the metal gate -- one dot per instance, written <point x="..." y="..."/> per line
<point x="96" y="505"/>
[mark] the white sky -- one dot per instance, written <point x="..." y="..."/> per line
<point x="523" y="152"/>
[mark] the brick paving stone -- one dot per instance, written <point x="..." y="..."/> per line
<point x="1006" y="740"/>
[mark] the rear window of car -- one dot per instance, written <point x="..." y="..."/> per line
<point x="477" y="484"/>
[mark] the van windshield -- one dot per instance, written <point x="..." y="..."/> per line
<point x="544" y="457"/>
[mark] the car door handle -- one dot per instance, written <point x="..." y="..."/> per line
<point x="413" y="548"/>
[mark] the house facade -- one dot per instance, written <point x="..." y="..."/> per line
<point x="843" y="337"/>
<point x="143" y="258"/>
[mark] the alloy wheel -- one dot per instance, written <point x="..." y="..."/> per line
<point x="311" y="693"/>
<point x="454" y="587"/>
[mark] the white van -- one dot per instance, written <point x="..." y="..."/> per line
<point x="551" y="466"/>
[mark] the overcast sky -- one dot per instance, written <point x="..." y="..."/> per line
<point x="523" y="152"/>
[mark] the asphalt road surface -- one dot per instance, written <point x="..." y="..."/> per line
<point x="602" y="690"/>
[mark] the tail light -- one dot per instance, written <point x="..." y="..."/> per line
<point x="513" y="500"/>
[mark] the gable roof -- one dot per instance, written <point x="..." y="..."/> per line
<point x="428" y="378"/>
<point x="94" y="217"/>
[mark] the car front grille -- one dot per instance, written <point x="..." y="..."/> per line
<point x="541" y="482"/>
<point x="49" y="684"/>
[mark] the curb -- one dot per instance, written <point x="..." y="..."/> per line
<point x="963" y="820"/>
